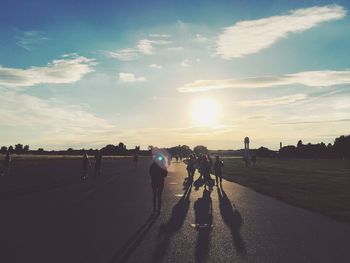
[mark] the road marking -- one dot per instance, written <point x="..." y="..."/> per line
<point x="173" y="183"/>
<point x="179" y="195"/>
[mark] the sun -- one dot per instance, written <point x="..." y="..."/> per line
<point x="205" y="112"/>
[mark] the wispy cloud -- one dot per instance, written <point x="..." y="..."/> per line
<point x="307" y="78"/>
<point x="160" y="35"/>
<point x="185" y="63"/>
<point x="127" y="54"/>
<point x="155" y="66"/>
<point x="247" y="37"/>
<point x="68" y="69"/>
<point x="26" y="110"/>
<point x="130" y="77"/>
<point x="274" y="101"/>
<point x="146" y="46"/>
<point x="143" y="47"/>
<point x="175" y="48"/>
<point x="29" y="40"/>
<point x="200" y="38"/>
<point x="311" y="122"/>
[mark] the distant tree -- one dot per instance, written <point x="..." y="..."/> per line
<point x="3" y="149"/>
<point x="200" y="149"/>
<point x="18" y="148"/>
<point x="40" y="150"/>
<point x="300" y="144"/>
<point x="26" y="148"/>
<point x="121" y="145"/>
<point x="10" y="149"/>
<point x="109" y="149"/>
<point x="185" y="150"/>
<point x="342" y="146"/>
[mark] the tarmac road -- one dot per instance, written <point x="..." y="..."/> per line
<point x="49" y="215"/>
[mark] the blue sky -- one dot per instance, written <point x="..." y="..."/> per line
<point x="84" y="74"/>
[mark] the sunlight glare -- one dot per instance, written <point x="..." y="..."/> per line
<point x="205" y="112"/>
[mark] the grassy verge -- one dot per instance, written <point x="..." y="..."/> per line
<point x="319" y="185"/>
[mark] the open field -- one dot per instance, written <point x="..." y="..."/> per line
<point x="319" y="185"/>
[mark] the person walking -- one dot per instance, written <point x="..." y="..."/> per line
<point x="218" y="170"/>
<point x="86" y="165"/>
<point x="98" y="163"/>
<point x="136" y="159"/>
<point x="157" y="172"/>
<point x="205" y="170"/>
<point x="191" y="167"/>
<point x="7" y="164"/>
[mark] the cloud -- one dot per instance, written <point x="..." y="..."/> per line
<point x="251" y="36"/>
<point x="274" y="101"/>
<point x="29" y="40"/>
<point x="200" y="38"/>
<point x="143" y="47"/>
<point x="307" y="78"/>
<point x="20" y="109"/>
<point x="312" y="122"/>
<point x="175" y="48"/>
<point x="68" y="69"/>
<point x="130" y="77"/>
<point x="127" y="54"/>
<point x="160" y="35"/>
<point x="156" y="66"/>
<point x="146" y="46"/>
<point x="185" y="63"/>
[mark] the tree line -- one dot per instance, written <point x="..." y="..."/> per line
<point x="339" y="149"/>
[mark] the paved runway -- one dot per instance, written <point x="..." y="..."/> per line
<point x="49" y="215"/>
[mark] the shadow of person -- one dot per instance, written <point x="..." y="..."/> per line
<point x="198" y="183"/>
<point x="124" y="252"/>
<point x="233" y="219"/>
<point x="203" y="221"/>
<point x="187" y="183"/>
<point x="174" y="224"/>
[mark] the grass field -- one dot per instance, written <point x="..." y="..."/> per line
<point x="319" y="185"/>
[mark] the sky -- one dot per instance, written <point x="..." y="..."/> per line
<point x="84" y="74"/>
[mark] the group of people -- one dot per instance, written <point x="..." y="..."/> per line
<point x="204" y="164"/>
<point x="87" y="164"/>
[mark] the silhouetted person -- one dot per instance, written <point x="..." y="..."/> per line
<point x="158" y="172"/>
<point x="136" y="159"/>
<point x="205" y="170"/>
<point x="86" y="165"/>
<point x="177" y="158"/>
<point x="98" y="163"/>
<point x="218" y="170"/>
<point x="7" y="164"/>
<point x="254" y="160"/>
<point x="191" y="167"/>
<point x="210" y="161"/>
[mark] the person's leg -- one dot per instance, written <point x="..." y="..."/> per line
<point x="216" y="178"/>
<point x="160" y="191"/>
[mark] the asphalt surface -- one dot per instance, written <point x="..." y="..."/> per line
<point x="49" y="215"/>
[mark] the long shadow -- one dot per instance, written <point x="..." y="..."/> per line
<point x="233" y="219"/>
<point x="174" y="224"/>
<point x="124" y="252"/>
<point x="198" y="183"/>
<point x="203" y="219"/>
